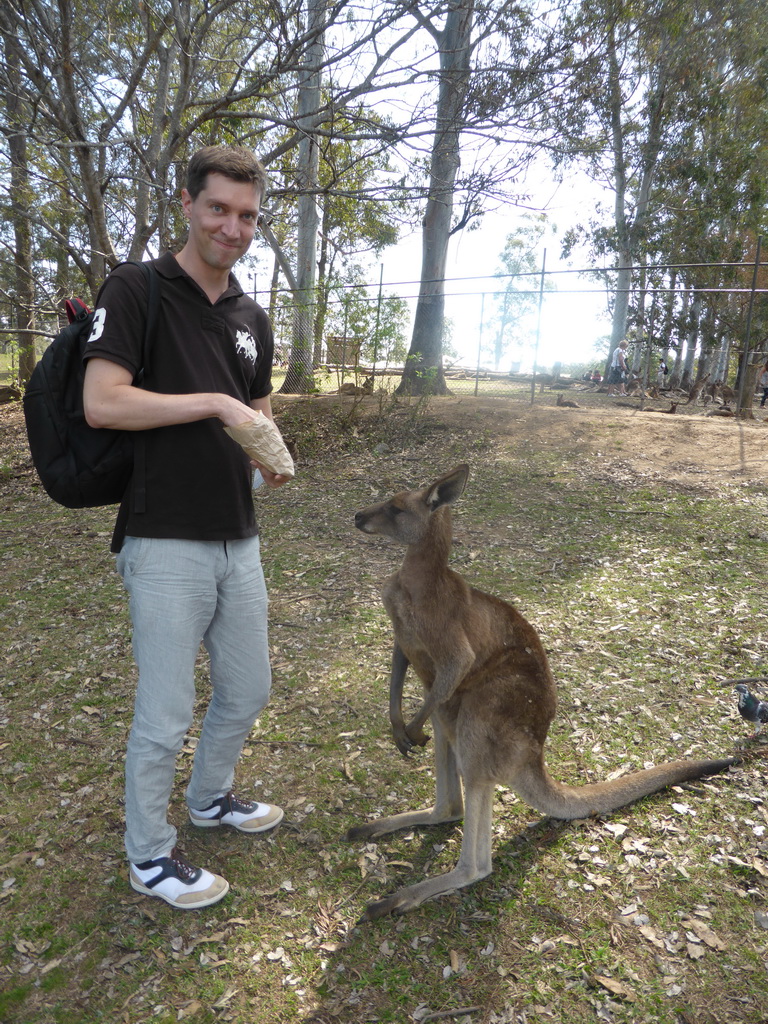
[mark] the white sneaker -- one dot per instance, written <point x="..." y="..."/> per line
<point x="176" y="881"/>
<point x="244" y="815"/>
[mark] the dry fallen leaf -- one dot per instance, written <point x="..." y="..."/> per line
<point x="229" y="993"/>
<point x="189" y="1009"/>
<point x="651" y="935"/>
<point x="615" y="987"/>
<point x="705" y="933"/>
<point x="213" y="937"/>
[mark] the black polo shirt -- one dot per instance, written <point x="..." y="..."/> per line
<point x="198" y="480"/>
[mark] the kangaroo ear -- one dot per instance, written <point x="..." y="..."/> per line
<point x="448" y="488"/>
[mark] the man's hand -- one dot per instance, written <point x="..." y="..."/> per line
<point x="233" y="413"/>
<point x="270" y="479"/>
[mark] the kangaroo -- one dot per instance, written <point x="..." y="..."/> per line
<point x="566" y="403"/>
<point x="488" y="689"/>
<point x="366" y="388"/>
<point x="697" y="388"/>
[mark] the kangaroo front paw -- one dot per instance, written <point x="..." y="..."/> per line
<point x="417" y="737"/>
<point x="401" y="738"/>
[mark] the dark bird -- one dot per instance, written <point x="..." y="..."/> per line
<point x="751" y="708"/>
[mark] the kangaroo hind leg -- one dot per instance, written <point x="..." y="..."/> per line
<point x="448" y="804"/>
<point x="474" y="862"/>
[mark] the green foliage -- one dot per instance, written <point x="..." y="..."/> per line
<point x="374" y="327"/>
<point x="652" y="108"/>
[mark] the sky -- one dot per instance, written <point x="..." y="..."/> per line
<point x="570" y="323"/>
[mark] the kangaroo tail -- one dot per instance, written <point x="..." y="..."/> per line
<point x="551" y="797"/>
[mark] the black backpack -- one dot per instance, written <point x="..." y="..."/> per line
<point x="80" y="466"/>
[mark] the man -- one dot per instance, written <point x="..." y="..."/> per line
<point x="619" y="370"/>
<point x="187" y="542"/>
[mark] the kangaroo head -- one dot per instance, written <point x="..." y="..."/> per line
<point x="405" y="517"/>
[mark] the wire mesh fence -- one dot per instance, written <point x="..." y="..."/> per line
<point x="501" y="331"/>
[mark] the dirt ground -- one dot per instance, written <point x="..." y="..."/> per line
<point x="646" y="621"/>
<point x="690" y="447"/>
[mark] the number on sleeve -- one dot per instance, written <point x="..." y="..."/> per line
<point x="98" y="325"/>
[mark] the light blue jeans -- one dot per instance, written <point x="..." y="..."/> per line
<point x="184" y="593"/>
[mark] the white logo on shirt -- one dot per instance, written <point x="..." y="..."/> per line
<point x="98" y="324"/>
<point x="246" y="346"/>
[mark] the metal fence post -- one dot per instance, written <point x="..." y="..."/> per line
<point x="745" y="356"/>
<point x="538" y="325"/>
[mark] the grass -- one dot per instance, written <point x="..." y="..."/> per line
<point x="649" y="594"/>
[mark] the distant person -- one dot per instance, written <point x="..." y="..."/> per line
<point x="661" y="374"/>
<point x="619" y="370"/>
<point x="764" y="385"/>
<point x="597" y="377"/>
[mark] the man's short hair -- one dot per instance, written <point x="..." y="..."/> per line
<point x="235" y="162"/>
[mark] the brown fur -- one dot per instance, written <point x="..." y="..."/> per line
<point x="697" y="388"/>
<point x="366" y="388"/>
<point x="488" y="689"/>
<point x="9" y="393"/>
<point x="566" y="403"/>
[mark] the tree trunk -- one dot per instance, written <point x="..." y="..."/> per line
<point x="721" y="361"/>
<point x="322" y="291"/>
<point x="299" y="380"/>
<point x="20" y="192"/>
<point x="423" y="371"/>
<point x="629" y="231"/>
<point x="102" y="252"/>
<point x="677" y="369"/>
<point x="744" y="410"/>
<point x="623" y="239"/>
<point x="666" y="325"/>
<point x="691" y="342"/>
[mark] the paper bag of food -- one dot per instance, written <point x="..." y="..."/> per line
<point x="261" y="440"/>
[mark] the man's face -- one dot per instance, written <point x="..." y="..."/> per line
<point x="222" y="220"/>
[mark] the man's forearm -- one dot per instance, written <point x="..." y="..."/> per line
<point x="111" y="401"/>
<point x="128" y="408"/>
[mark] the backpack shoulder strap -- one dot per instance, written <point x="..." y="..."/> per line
<point x="139" y="481"/>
